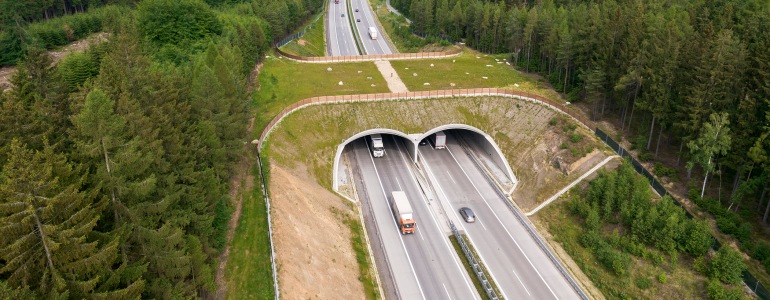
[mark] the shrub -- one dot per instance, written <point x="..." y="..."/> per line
<point x="760" y="251"/>
<point x="664" y="171"/>
<point x="563" y="145"/>
<point x="575" y="138"/>
<point x="717" y="291"/>
<point x="569" y="127"/>
<point x="743" y="233"/>
<point x="646" y="156"/>
<point x="553" y="121"/>
<point x="662" y="278"/>
<point x="727" y="265"/>
<point x="643" y="283"/>
<point x="726" y="225"/>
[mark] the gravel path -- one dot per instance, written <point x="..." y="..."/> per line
<point x="394" y="82"/>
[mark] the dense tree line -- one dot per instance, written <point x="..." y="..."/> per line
<point x="694" y="72"/>
<point x="114" y="163"/>
<point x="650" y="230"/>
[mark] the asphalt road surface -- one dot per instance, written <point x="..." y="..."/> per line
<point x="339" y="35"/>
<point x="422" y="265"/>
<point x="366" y="17"/>
<point x="517" y="264"/>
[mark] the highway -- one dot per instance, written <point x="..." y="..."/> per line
<point x="422" y="265"/>
<point x="339" y="34"/>
<point x="517" y="264"/>
<point x="367" y="17"/>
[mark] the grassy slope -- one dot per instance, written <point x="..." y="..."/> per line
<point x="313" y="38"/>
<point x="682" y="282"/>
<point x="283" y="82"/>
<point x="454" y="69"/>
<point x="249" y="272"/>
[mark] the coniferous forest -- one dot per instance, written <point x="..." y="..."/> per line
<point x="115" y="161"/>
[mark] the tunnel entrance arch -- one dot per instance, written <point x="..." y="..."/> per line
<point x="335" y="168"/>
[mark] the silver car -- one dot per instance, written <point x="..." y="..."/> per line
<point x="468" y="215"/>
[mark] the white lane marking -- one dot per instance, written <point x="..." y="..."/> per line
<point x="446" y="291"/>
<point x="441" y="190"/>
<point x="399" y="184"/>
<point x="482" y="224"/>
<point x="450" y="177"/>
<point x="435" y="222"/>
<point x="393" y="218"/>
<point x="369" y="14"/>
<point x="419" y="232"/>
<point x="501" y="224"/>
<point x="522" y="283"/>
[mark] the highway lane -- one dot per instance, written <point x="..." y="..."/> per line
<point x="366" y="15"/>
<point x="339" y="33"/>
<point x="372" y="193"/>
<point x="516" y="263"/>
<point x="437" y="269"/>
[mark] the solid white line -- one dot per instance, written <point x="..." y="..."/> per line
<point x="399" y="185"/>
<point x="393" y="218"/>
<point x="435" y="222"/>
<point x="501" y="224"/>
<point x="522" y="283"/>
<point x="564" y="190"/>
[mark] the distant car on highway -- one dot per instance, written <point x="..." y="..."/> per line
<point x="356" y="9"/>
<point x="468" y="215"/>
<point x="343" y="15"/>
<point x="358" y="20"/>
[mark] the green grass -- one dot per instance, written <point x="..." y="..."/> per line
<point x="283" y="82"/>
<point x="469" y="270"/>
<point x="249" y="272"/>
<point x="314" y="44"/>
<point x="365" y="268"/>
<point x="453" y="70"/>
<point x="641" y="282"/>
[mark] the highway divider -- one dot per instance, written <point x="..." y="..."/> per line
<point x="473" y="261"/>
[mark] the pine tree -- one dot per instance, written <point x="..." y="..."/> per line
<point x="45" y="223"/>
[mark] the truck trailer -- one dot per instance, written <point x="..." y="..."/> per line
<point x="373" y="33"/>
<point x="439" y="140"/>
<point x="403" y="212"/>
<point x="378" y="149"/>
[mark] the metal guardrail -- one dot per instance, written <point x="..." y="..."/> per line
<point x="485" y="284"/>
<point x="527" y="226"/>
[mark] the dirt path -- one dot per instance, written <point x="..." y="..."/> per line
<point x="241" y="182"/>
<point x="394" y="82"/>
<point x="56" y="56"/>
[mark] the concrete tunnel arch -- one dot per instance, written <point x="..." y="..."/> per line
<point x="341" y="146"/>
<point x="491" y="149"/>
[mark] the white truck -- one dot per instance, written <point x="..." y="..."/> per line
<point x="378" y="149"/>
<point x="439" y="140"/>
<point x="403" y="212"/>
<point x="373" y="33"/>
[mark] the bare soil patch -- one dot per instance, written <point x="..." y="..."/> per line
<point x="56" y="56"/>
<point x="302" y="42"/>
<point x="314" y="256"/>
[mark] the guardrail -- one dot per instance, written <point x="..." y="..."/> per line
<point x="474" y="263"/>
<point x="373" y="57"/>
<point x="532" y="232"/>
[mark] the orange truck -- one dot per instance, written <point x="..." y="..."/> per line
<point x="403" y="212"/>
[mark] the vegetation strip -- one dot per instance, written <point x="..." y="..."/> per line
<point x="466" y="258"/>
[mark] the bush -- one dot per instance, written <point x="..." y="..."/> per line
<point x="664" y="171"/>
<point x="563" y="146"/>
<point x="643" y="283"/>
<point x="662" y="278"/>
<point x="726" y="225"/>
<point x="553" y="121"/>
<point x="717" y="291"/>
<point x="727" y="265"/>
<point x="743" y="233"/>
<point x="760" y="251"/>
<point x="575" y="138"/>
<point x="646" y="156"/>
